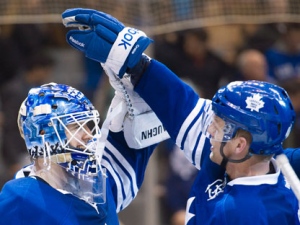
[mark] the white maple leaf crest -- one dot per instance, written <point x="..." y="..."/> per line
<point x="254" y="103"/>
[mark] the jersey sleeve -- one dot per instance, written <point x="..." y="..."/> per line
<point x="182" y="112"/>
<point x="293" y="154"/>
<point x="125" y="168"/>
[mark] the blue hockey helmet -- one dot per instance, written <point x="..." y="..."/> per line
<point x="51" y="119"/>
<point x="45" y="114"/>
<point x="263" y="109"/>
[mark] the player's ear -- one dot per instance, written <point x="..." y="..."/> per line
<point x="242" y="145"/>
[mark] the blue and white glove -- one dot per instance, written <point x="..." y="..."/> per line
<point x="141" y="126"/>
<point x="118" y="48"/>
<point x="104" y="39"/>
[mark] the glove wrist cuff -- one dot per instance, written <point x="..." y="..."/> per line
<point x="122" y="47"/>
<point x="138" y="70"/>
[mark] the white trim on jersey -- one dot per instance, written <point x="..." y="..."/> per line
<point x="191" y="133"/>
<point x="188" y="121"/>
<point x="128" y="177"/>
<point x="109" y="168"/>
<point x="198" y="154"/>
<point x="21" y="173"/>
<point x="258" y="180"/>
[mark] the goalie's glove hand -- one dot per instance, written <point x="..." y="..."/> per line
<point x="105" y="39"/>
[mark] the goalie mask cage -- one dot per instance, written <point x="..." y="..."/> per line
<point x="158" y="16"/>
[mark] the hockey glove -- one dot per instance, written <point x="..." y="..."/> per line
<point x="141" y="126"/>
<point x="104" y="39"/>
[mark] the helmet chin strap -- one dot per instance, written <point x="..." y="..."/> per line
<point x="225" y="159"/>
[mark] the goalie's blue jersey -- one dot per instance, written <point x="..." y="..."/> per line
<point x="28" y="200"/>
<point x="265" y="199"/>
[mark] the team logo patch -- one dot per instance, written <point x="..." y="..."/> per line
<point x="254" y="103"/>
<point x="214" y="189"/>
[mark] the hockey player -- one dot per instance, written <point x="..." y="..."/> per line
<point x="73" y="179"/>
<point x="231" y="139"/>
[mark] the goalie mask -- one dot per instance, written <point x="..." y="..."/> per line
<point x="60" y="125"/>
<point x="263" y="109"/>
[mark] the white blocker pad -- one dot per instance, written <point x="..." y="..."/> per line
<point x="144" y="130"/>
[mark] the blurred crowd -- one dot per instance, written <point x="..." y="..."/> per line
<point x="35" y="54"/>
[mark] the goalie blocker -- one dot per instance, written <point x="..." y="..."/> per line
<point x="144" y="130"/>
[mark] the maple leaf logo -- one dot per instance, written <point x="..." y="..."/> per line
<point x="254" y="103"/>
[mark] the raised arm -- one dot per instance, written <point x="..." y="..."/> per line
<point x="120" y="50"/>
